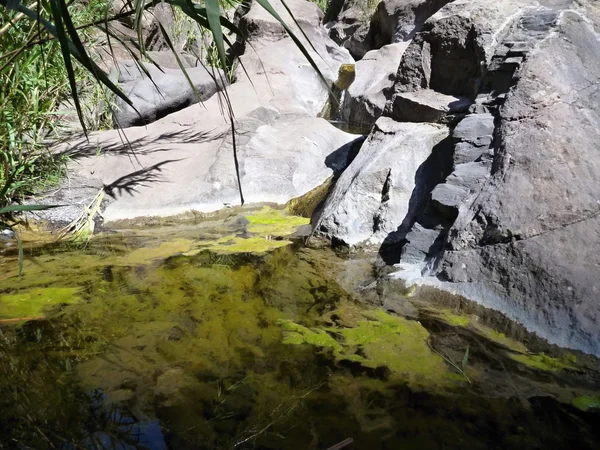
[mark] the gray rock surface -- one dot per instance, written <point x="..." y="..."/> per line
<point x="366" y="97"/>
<point x="184" y="161"/>
<point x="384" y="187"/>
<point x="400" y="20"/>
<point x="162" y="92"/>
<point x="349" y="24"/>
<point x="279" y="72"/>
<point x="173" y="169"/>
<point x="426" y="106"/>
<point x="529" y="243"/>
<point x="450" y="52"/>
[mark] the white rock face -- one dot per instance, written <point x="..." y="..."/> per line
<point x="381" y="189"/>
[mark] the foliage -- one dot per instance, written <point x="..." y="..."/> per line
<point x="35" y="79"/>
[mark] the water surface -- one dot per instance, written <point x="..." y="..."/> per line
<point x="181" y="337"/>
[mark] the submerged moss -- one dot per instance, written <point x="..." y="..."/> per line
<point x="274" y="222"/>
<point x="587" y="402"/>
<point x="452" y="318"/>
<point x="36" y="303"/>
<point x="378" y="340"/>
<point x="544" y="362"/>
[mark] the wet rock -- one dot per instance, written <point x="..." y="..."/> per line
<point x="384" y="187"/>
<point x="162" y="92"/>
<point x="366" y="98"/>
<point x="426" y="106"/>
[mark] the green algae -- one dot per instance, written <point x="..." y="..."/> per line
<point x="37" y="302"/>
<point x="587" y="403"/>
<point x="546" y="363"/>
<point x="274" y="222"/>
<point x="297" y="334"/>
<point x="451" y="318"/>
<point x="378" y="340"/>
<point x="306" y="204"/>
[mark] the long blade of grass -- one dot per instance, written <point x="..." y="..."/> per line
<point x="23" y="208"/>
<point x="213" y="14"/>
<point x="64" y="47"/>
<point x="53" y="30"/>
<point x="21" y="253"/>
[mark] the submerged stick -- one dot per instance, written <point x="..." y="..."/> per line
<point x="342" y="444"/>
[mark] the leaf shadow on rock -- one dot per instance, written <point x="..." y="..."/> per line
<point x="432" y="172"/>
<point x="129" y="184"/>
<point x="145" y="145"/>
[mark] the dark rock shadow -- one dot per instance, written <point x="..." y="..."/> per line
<point x="433" y="171"/>
<point x="341" y="158"/>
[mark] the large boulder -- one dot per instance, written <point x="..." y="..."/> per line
<point x="349" y="23"/>
<point x="173" y="169"/>
<point x="399" y="20"/>
<point x="156" y="92"/>
<point x="527" y="240"/>
<point x="383" y="190"/>
<point x="451" y="51"/>
<point x="278" y="70"/>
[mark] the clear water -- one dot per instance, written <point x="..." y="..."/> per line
<point x="140" y="343"/>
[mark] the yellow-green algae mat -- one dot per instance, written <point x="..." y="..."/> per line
<point x="31" y="296"/>
<point x="516" y="350"/>
<point x="376" y="339"/>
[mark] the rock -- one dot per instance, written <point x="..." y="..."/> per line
<point x="278" y="69"/>
<point x="421" y="242"/>
<point x="349" y="26"/>
<point x="161" y="15"/>
<point x="466" y="152"/>
<point x="167" y="60"/>
<point x="384" y="187"/>
<point x="165" y="92"/>
<point x="257" y="24"/>
<point x="7" y="234"/>
<point x="400" y="20"/>
<point x="281" y="156"/>
<point x="529" y="244"/>
<point x="366" y="98"/>
<point x="475" y="129"/>
<point x="426" y="106"/>
<point x="462" y="34"/>
<point x="447" y="198"/>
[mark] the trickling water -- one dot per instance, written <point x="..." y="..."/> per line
<point x="181" y="338"/>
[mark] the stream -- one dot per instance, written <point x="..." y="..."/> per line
<point x="228" y="333"/>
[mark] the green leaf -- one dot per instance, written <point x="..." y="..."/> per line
<point x="23" y="208"/>
<point x="465" y="359"/>
<point x="21" y="253"/>
<point x="213" y="14"/>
